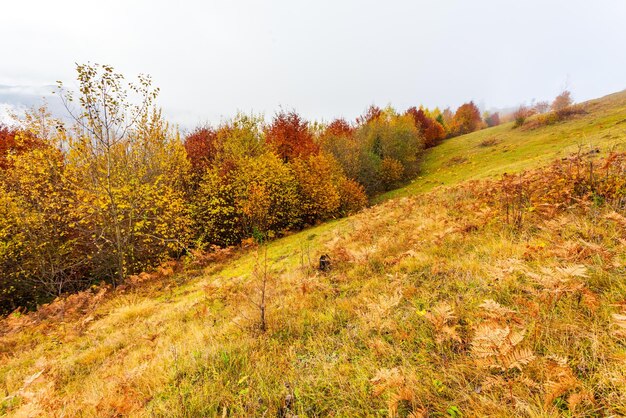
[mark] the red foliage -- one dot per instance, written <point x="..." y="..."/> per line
<point x="430" y="129"/>
<point x="433" y="134"/>
<point x="466" y="119"/>
<point x="201" y="147"/>
<point x="14" y="142"/>
<point x="372" y="113"/>
<point x="290" y="137"/>
<point x="339" y="127"/>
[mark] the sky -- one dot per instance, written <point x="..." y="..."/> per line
<point x="323" y="58"/>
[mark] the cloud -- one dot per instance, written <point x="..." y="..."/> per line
<point x="6" y="110"/>
<point x="17" y="99"/>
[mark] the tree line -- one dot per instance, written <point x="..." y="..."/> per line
<point x="118" y="189"/>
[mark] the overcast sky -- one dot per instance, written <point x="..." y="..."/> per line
<point x="325" y="58"/>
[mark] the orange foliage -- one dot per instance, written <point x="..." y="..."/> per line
<point x="431" y="130"/>
<point x="466" y="119"/>
<point x="290" y="137"/>
<point x="562" y="101"/>
<point x="318" y="177"/>
<point x="352" y="195"/>
<point x="338" y="127"/>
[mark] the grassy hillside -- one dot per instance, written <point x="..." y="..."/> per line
<point x="435" y="306"/>
<point x="491" y="152"/>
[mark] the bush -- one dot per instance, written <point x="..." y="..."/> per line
<point x="430" y="129"/>
<point x="521" y="114"/>
<point x="318" y="177"/>
<point x="391" y="136"/>
<point x="492" y="119"/>
<point x="266" y="195"/>
<point x="352" y="197"/>
<point x="339" y="141"/>
<point x="216" y="221"/>
<point x="562" y="102"/>
<point x="392" y="172"/>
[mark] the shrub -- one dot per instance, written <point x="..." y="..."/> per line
<point x="392" y="172"/>
<point x="216" y="220"/>
<point x="266" y="195"/>
<point x="371" y="114"/>
<point x="562" y="102"/>
<point x="352" y="196"/>
<point x="492" y="119"/>
<point x="489" y="142"/>
<point x="318" y="177"/>
<point x="430" y="129"/>
<point x="14" y="142"/>
<point x="521" y="114"/>
<point x="338" y="127"/>
<point x="342" y="144"/>
<point x="239" y="138"/>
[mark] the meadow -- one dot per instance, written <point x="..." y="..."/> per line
<point x="464" y="293"/>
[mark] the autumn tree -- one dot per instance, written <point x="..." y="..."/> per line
<point x="339" y="127"/>
<point x="466" y="119"/>
<point x="323" y="189"/>
<point x="14" y="142"/>
<point x="339" y="140"/>
<point x="389" y="136"/>
<point x="42" y="251"/>
<point x="430" y="129"/>
<point x="562" y="102"/>
<point x="289" y="136"/>
<point x="263" y="200"/>
<point x="492" y="119"/>
<point x="446" y="119"/>
<point x="130" y="169"/>
<point x="201" y="147"/>
<point x="372" y="113"/>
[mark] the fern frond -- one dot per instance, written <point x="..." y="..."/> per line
<point x="576" y="270"/>
<point x="565" y="382"/>
<point x="449" y="332"/>
<point x="619" y="320"/>
<point x="441" y="315"/>
<point x="518" y="358"/>
<point x="527" y="381"/>
<point x="559" y="360"/>
<point x="493" y="382"/>
<point x="516" y="337"/>
<point x="489" y="340"/>
<point x="494" y="309"/>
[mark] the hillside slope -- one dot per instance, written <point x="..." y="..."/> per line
<point x="501" y="149"/>
<point x="437" y="305"/>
